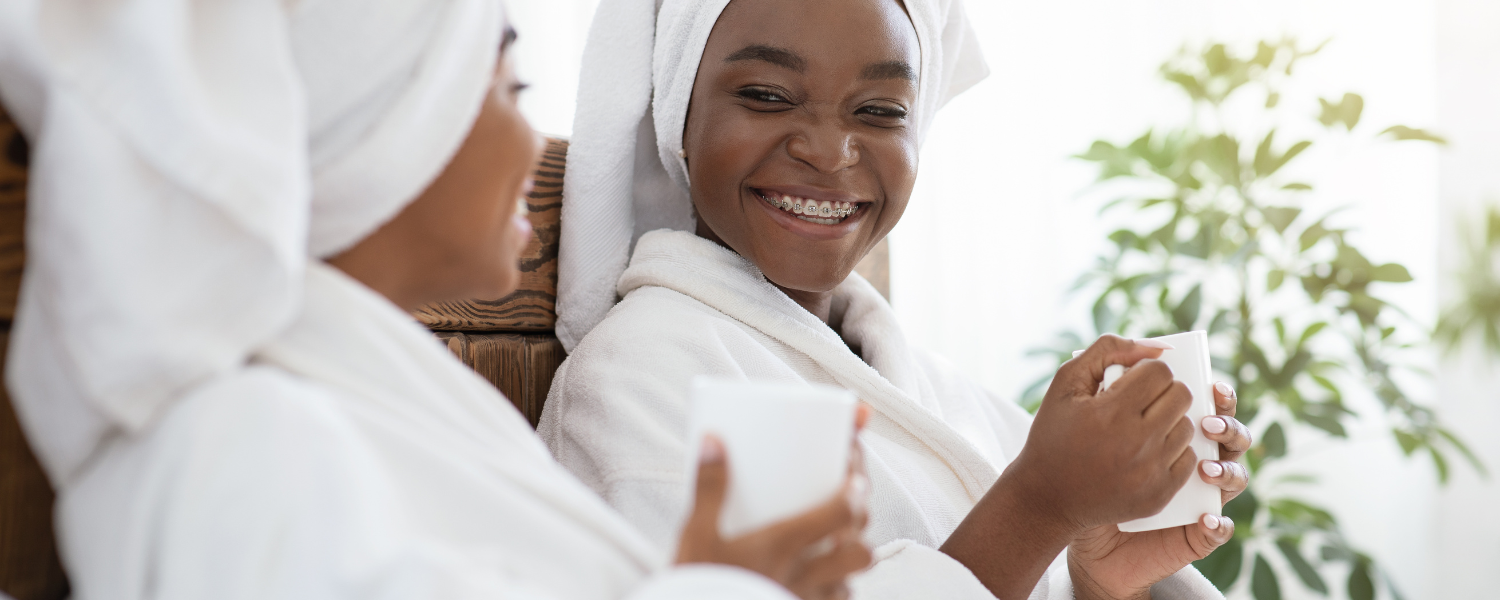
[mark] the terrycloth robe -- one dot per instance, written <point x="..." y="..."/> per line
<point x="935" y="443"/>
<point x="356" y="458"/>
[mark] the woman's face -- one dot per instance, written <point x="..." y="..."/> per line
<point x="799" y="145"/>
<point x="463" y="236"/>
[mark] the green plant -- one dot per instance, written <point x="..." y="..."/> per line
<point x="1219" y="240"/>
<point x="1477" y="310"/>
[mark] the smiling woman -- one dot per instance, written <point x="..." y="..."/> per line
<point x="776" y="142"/>
<point x="794" y="164"/>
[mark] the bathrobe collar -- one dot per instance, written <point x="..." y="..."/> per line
<point x="886" y="378"/>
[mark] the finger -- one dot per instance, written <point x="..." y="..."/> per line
<point x="1210" y="532"/>
<point x="1083" y="374"/>
<point x="861" y="417"/>
<point x="1231" y="477"/>
<point x="1232" y="435"/>
<point x="712" y="486"/>
<point x="1226" y="400"/>
<point x="833" y="568"/>
<point x="1143" y="384"/>
<point x="1180" y="470"/>
<point x="1178" y="437"/>
<point x="798" y="532"/>
<point x="1172" y="404"/>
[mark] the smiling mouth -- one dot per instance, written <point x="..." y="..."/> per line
<point x="821" y="212"/>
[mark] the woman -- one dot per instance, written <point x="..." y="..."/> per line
<point x="777" y="142"/>
<point x="291" y="432"/>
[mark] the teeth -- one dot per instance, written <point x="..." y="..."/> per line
<point x="822" y="212"/>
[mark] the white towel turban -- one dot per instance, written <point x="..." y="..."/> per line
<point x="189" y="156"/>
<point x="624" y="175"/>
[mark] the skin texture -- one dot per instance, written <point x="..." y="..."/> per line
<point x="809" y="120"/>
<point x="783" y="101"/>
<point x="461" y="238"/>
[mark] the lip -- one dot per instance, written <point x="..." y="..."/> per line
<point x="810" y="231"/>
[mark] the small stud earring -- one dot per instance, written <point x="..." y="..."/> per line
<point x="682" y="153"/>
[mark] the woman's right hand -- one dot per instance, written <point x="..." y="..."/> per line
<point x="1090" y="460"/>
<point x="789" y="552"/>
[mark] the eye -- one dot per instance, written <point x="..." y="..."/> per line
<point x="764" y="98"/>
<point x="894" y="112"/>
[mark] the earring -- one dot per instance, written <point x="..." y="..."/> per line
<point x="682" y="153"/>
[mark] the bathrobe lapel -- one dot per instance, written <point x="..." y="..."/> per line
<point x="889" y="383"/>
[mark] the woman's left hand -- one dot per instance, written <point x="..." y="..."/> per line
<point x="1106" y="563"/>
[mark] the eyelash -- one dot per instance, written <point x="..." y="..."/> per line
<point x="760" y="94"/>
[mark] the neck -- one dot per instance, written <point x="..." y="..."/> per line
<point x="820" y="304"/>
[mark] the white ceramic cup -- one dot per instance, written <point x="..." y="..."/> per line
<point x="787" y="446"/>
<point x="1189" y="362"/>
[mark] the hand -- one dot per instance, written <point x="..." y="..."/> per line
<point x="1106" y="563"/>
<point x="1090" y="460"/>
<point x="789" y="552"/>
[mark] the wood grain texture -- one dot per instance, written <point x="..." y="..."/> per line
<point x="875" y="267"/>
<point x="29" y="567"/>
<point x="521" y="366"/>
<point x="533" y="306"/>
<point x="14" y="157"/>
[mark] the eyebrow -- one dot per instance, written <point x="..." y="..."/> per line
<point x="891" y="69"/>
<point x="780" y="57"/>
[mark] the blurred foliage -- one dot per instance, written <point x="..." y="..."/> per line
<point x="1219" y="240"/>
<point x="1477" y="312"/>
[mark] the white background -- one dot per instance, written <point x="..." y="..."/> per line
<point x="999" y="227"/>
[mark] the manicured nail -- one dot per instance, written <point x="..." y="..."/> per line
<point x="1214" y="425"/>
<point x="711" y="452"/>
<point x="1211" y="521"/>
<point x="1212" y="469"/>
<point x="1154" y="344"/>
<point x="1224" y="389"/>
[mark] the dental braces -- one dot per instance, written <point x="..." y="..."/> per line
<point x="822" y="211"/>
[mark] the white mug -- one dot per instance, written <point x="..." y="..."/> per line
<point x="787" y="446"/>
<point x="1190" y="364"/>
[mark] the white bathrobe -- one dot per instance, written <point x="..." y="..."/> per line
<point x="355" y="458"/>
<point x="935" y="442"/>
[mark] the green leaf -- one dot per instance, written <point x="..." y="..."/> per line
<point x="1439" y="463"/>
<point x="1104" y="318"/>
<point x="1216" y="59"/>
<point x="1408" y="442"/>
<point x="1312" y="235"/>
<point x="1291" y="153"/>
<point x="1304" y="569"/>
<point x="1296" y="186"/>
<point x="1280" y="217"/>
<point x="1361" y="587"/>
<point x="1242" y="511"/>
<point x="1311" y="331"/>
<point x="1464" y="449"/>
<point x="1402" y="132"/>
<point x="1263" y="154"/>
<point x="1263" y="583"/>
<point x="1189" y="84"/>
<point x="1223" y="565"/>
<point x="1391" y="272"/>
<point x="1186" y="313"/>
<point x="1346" y="111"/>
<point x="1222" y="155"/>
<point x="1274" y="441"/>
<point x="1274" y="279"/>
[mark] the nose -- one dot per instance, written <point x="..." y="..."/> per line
<point x="825" y="147"/>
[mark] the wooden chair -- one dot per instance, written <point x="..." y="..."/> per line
<point x="510" y="341"/>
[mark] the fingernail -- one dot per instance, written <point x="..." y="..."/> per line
<point x="1149" y="343"/>
<point x="859" y="493"/>
<point x="1224" y="389"/>
<point x="1212" y="469"/>
<point x="712" y="451"/>
<point x="1211" y="521"/>
<point x="1214" y="425"/>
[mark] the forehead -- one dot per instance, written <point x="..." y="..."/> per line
<point x="825" y="33"/>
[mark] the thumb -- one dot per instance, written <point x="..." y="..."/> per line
<point x="712" y="485"/>
<point x="1083" y="374"/>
